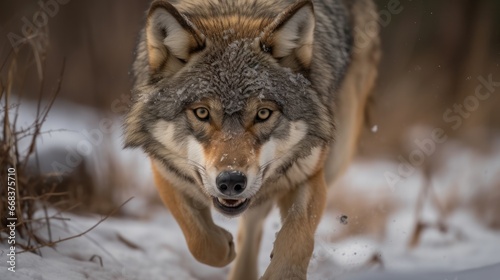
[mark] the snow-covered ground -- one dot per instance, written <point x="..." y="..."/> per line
<point x="148" y="244"/>
<point x="155" y="249"/>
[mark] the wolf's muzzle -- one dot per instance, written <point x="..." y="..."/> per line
<point x="231" y="183"/>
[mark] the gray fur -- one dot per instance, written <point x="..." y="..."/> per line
<point x="233" y="72"/>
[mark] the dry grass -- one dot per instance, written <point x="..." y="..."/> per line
<point x="12" y="155"/>
<point x="36" y="192"/>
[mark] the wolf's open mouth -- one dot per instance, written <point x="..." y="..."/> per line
<point x="231" y="207"/>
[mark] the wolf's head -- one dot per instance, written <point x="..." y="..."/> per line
<point x="224" y="102"/>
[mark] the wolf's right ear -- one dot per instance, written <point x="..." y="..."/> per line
<point x="171" y="38"/>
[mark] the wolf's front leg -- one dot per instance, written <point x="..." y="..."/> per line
<point x="301" y="212"/>
<point x="248" y="244"/>
<point x="209" y="243"/>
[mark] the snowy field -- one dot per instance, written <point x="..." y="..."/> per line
<point x="147" y="243"/>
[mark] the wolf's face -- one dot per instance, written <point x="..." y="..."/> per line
<point x="229" y="113"/>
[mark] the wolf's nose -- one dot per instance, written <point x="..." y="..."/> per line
<point x="231" y="182"/>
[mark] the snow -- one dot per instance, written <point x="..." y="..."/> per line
<point x="148" y="244"/>
<point x="160" y="252"/>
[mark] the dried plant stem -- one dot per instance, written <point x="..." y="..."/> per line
<point x="52" y="243"/>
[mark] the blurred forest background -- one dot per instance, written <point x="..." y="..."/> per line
<point x="434" y="52"/>
<point x="433" y="55"/>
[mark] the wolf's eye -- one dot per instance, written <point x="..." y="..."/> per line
<point x="201" y="113"/>
<point x="263" y="114"/>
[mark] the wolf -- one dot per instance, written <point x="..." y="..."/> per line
<point x="244" y="104"/>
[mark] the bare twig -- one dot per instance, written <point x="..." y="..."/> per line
<point x="45" y="113"/>
<point x="128" y="243"/>
<point x="96" y="257"/>
<point x="50" y="244"/>
<point x="6" y="59"/>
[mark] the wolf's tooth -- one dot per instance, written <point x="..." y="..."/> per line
<point x="238" y="202"/>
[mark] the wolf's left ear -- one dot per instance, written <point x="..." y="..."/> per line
<point x="289" y="38"/>
<point x="171" y="38"/>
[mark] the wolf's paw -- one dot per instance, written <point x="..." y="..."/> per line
<point x="215" y="248"/>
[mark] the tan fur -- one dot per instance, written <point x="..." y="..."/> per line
<point x="301" y="211"/>
<point x="209" y="244"/>
<point x="287" y="45"/>
<point x="167" y="55"/>
<point x="236" y="154"/>
<point x="357" y="87"/>
<point x="236" y="27"/>
<point x="249" y="235"/>
<point x="301" y="191"/>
